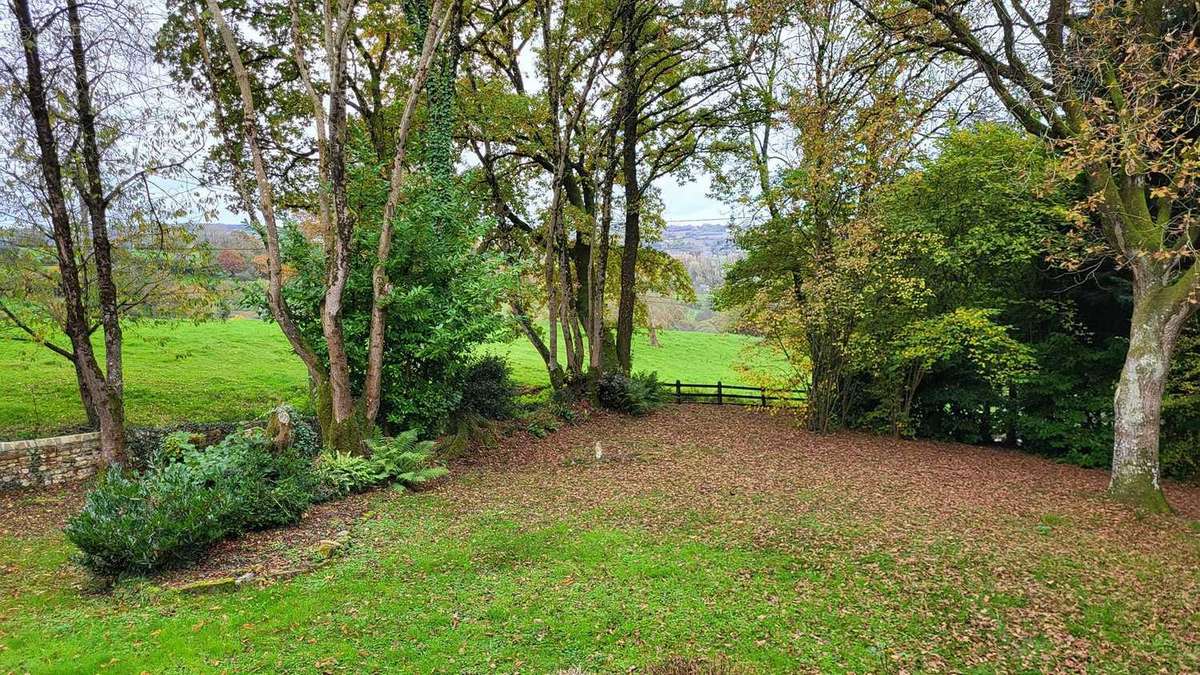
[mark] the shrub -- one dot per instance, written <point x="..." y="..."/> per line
<point x="187" y="500"/>
<point x="174" y="446"/>
<point x="636" y="395"/>
<point x="342" y="473"/>
<point x="265" y="488"/>
<point x="1181" y="410"/>
<point x="306" y="437"/>
<point x="488" y="390"/>
<point x="405" y="459"/>
<point x="139" y="525"/>
<point x="401" y="458"/>
<point x="488" y="398"/>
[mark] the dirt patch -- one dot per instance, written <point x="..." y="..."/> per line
<point x="36" y="511"/>
<point x="696" y="447"/>
<point x="1040" y="534"/>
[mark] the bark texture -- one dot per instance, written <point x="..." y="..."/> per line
<point x="633" y="199"/>
<point x="1137" y="405"/>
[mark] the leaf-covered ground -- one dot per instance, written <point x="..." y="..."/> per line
<point x="723" y="537"/>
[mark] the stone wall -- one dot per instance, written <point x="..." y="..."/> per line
<point x="47" y="461"/>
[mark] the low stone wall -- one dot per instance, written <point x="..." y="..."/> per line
<point x="47" y="461"/>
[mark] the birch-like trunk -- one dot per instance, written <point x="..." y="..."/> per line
<point x="1137" y="406"/>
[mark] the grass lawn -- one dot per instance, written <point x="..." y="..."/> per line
<point x="702" y="358"/>
<point x="174" y="372"/>
<point x="237" y="369"/>
<point x="715" y="536"/>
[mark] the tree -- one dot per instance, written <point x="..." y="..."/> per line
<point x="671" y="77"/>
<point x="518" y="136"/>
<point x="1112" y="87"/>
<point x="344" y="416"/>
<point x="443" y="301"/>
<point x="88" y="113"/>
<point x="231" y="261"/>
<point x="653" y="97"/>
<point x="858" y="109"/>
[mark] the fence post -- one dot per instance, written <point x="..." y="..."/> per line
<point x="678" y="392"/>
<point x="720" y="398"/>
<point x="763" y="391"/>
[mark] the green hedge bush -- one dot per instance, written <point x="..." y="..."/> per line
<point x="189" y="498"/>
<point x="186" y="500"/>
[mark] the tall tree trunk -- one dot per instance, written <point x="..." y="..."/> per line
<point x="341" y="394"/>
<point x="1163" y="300"/>
<point x="633" y="198"/>
<point x="1158" y="320"/>
<point x="266" y="195"/>
<point x="380" y="284"/>
<point x="599" y="342"/>
<point x="560" y="289"/>
<point x="111" y="407"/>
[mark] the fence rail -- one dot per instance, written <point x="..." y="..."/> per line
<point x="721" y="393"/>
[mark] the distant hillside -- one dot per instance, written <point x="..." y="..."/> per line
<point x="219" y="231"/>
<point x="704" y="238"/>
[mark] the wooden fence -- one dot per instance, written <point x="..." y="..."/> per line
<point x="733" y="394"/>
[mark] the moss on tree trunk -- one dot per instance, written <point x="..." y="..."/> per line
<point x="1137" y="408"/>
<point x="347" y="435"/>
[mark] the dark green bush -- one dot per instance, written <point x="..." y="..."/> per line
<point x="186" y="500"/>
<point x="444" y="301"/>
<point x="264" y="488"/>
<point x="136" y="525"/>
<point x="489" y="397"/>
<point x="1181" y="410"/>
<point x="636" y="395"/>
<point x="488" y="390"/>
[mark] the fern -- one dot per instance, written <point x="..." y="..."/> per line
<point x="343" y="473"/>
<point x="403" y="459"/>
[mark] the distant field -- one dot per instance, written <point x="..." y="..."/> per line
<point x="687" y="356"/>
<point x="232" y="370"/>
<point x="174" y="371"/>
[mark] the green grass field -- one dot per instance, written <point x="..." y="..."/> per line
<point x="237" y="369"/>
